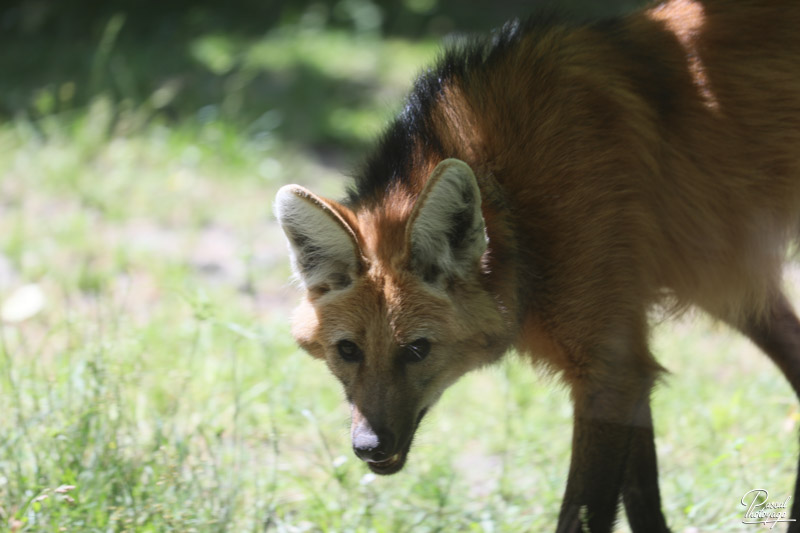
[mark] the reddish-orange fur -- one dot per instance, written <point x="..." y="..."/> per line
<point x="653" y="161"/>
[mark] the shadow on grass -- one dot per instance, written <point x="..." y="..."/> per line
<point x="290" y="67"/>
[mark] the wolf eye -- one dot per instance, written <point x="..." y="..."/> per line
<point x="415" y="351"/>
<point x="349" y="351"/>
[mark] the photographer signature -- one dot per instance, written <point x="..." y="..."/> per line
<point x="762" y="511"/>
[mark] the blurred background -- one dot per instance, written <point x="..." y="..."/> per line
<point x="148" y="381"/>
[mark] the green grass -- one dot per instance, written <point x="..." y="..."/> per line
<point x="158" y="389"/>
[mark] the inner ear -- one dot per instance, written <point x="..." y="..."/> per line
<point x="446" y="233"/>
<point x="323" y="247"/>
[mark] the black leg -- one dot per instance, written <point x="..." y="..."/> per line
<point x="778" y="335"/>
<point x="640" y="492"/>
<point x="595" y="477"/>
<point x="613" y="453"/>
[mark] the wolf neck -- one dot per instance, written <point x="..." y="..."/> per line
<point x="437" y="123"/>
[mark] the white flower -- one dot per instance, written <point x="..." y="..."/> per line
<point x="23" y="303"/>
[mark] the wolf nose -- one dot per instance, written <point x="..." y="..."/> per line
<point x="373" y="446"/>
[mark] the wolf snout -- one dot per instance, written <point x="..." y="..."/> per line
<point x="371" y="445"/>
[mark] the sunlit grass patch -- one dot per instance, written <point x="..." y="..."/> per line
<point x="145" y="355"/>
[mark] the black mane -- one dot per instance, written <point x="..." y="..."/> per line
<point x="392" y="159"/>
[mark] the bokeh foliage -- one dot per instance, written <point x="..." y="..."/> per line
<point x="148" y="381"/>
<point x="311" y="71"/>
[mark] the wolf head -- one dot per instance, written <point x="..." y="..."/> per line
<point x="395" y="301"/>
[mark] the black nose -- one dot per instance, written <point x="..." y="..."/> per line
<point x="370" y="445"/>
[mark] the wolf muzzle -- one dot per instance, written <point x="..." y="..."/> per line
<point x="372" y="445"/>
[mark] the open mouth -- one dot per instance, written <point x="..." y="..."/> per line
<point x="389" y="466"/>
<point x="396" y="462"/>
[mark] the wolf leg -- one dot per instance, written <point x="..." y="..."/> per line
<point x="612" y="453"/>
<point x="640" y="492"/>
<point x="778" y="335"/>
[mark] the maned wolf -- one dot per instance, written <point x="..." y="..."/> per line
<point x="541" y="190"/>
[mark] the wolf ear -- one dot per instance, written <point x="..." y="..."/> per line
<point x="323" y="248"/>
<point x="446" y="234"/>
